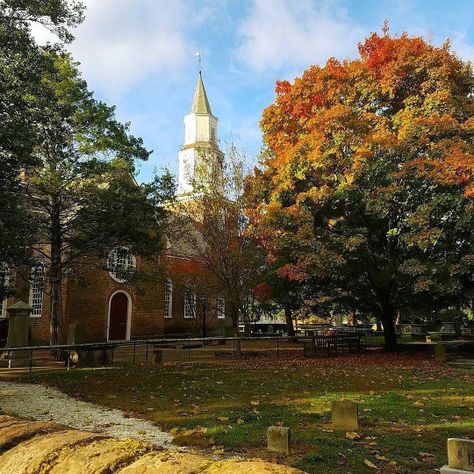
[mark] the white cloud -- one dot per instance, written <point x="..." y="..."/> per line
<point x="122" y="42"/>
<point x="283" y="34"/>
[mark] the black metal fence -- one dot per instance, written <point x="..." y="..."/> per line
<point x="145" y="349"/>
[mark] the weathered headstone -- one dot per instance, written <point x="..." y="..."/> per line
<point x="460" y="457"/>
<point x="440" y="354"/>
<point x="18" y="333"/>
<point x="309" y="349"/>
<point x="345" y="415"/>
<point x="157" y="356"/>
<point x="278" y="439"/>
<point x="419" y="331"/>
<point x="449" y="329"/>
<point x="76" y="332"/>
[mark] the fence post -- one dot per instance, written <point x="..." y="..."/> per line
<point x="146" y="355"/>
<point x="134" y="352"/>
<point x="31" y="360"/>
<point x="68" y="360"/>
<point x="278" y="347"/>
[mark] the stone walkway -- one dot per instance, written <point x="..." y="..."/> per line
<point x="42" y="403"/>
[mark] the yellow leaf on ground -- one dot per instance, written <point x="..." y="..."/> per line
<point x="223" y="418"/>
<point x="370" y="464"/>
<point x="352" y="435"/>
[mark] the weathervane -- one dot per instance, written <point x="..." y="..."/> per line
<point x="198" y="54"/>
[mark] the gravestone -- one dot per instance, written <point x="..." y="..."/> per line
<point x="18" y="333"/>
<point x="449" y="329"/>
<point x="76" y="332"/>
<point x="278" y="439"/>
<point x="309" y="349"/>
<point x="419" y="331"/>
<point x="345" y="415"/>
<point x="440" y="353"/>
<point x="157" y="357"/>
<point x="460" y="457"/>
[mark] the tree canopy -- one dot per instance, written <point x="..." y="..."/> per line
<point x="366" y="180"/>
<point x="23" y="97"/>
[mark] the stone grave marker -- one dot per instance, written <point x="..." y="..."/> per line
<point x="460" y="457"/>
<point x="345" y="415"/>
<point x="440" y="353"/>
<point x="76" y="332"/>
<point x="278" y="439"/>
<point x="157" y="357"/>
<point x="309" y="349"/>
<point x="18" y="333"/>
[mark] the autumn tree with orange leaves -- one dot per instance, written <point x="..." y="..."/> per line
<point x="366" y="182"/>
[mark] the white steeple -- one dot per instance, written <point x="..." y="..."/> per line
<point x="200" y="139"/>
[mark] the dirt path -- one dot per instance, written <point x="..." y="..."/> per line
<point x="42" y="403"/>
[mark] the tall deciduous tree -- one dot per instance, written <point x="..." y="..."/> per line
<point x="368" y="177"/>
<point x="81" y="191"/>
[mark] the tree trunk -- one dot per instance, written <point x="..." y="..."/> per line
<point x="289" y="322"/>
<point x="353" y="318"/>
<point x="234" y="316"/>
<point x="388" y="319"/>
<point x="56" y="276"/>
<point x="204" y="325"/>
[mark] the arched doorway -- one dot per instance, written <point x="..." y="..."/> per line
<point x="120" y="308"/>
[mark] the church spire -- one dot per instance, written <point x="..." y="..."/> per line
<point x="200" y="103"/>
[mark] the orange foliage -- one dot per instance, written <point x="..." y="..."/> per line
<point x="403" y="99"/>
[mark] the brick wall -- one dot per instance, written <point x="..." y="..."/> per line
<point x="86" y="297"/>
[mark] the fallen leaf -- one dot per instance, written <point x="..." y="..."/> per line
<point x="370" y="464"/>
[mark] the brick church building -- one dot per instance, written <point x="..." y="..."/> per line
<point x="106" y="305"/>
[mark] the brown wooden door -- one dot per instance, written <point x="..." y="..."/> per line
<point x="118" y="317"/>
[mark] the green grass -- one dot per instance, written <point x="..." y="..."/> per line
<point x="407" y="406"/>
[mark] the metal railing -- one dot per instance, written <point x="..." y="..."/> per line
<point x="330" y="343"/>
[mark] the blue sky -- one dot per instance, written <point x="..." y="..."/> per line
<point x="140" y="55"/>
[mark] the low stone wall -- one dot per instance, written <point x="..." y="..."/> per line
<point x="32" y="446"/>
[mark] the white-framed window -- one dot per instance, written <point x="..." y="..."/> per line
<point x="168" y="299"/>
<point x="4" y="282"/>
<point x="189" y="304"/>
<point x="221" y="307"/>
<point x="36" y="290"/>
<point x="121" y="263"/>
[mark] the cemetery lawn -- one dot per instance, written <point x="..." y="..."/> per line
<point x="408" y="407"/>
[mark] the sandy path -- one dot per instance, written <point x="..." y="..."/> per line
<point x="43" y="403"/>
